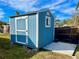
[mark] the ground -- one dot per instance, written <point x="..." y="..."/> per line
<point x="77" y="52"/>
<point x="21" y="52"/>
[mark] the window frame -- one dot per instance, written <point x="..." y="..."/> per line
<point x="49" y="22"/>
<point x="20" y="27"/>
<point x="23" y="18"/>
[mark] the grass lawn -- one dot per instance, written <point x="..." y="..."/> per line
<point x="20" y="52"/>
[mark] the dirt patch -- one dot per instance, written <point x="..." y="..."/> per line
<point x="50" y="55"/>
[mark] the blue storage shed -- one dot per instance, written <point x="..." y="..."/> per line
<point x="34" y="29"/>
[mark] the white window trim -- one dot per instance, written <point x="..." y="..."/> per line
<point x="22" y="30"/>
<point x="26" y="24"/>
<point x="47" y="26"/>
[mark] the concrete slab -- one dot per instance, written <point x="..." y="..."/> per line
<point x="60" y="47"/>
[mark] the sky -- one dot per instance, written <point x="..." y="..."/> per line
<point x="62" y="9"/>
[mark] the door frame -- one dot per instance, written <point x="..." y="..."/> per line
<point x="26" y="18"/>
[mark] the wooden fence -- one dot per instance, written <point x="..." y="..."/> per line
<point x="67" y="34"/>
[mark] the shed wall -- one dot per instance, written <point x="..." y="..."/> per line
<point x="12" y="30"/>
<point x="32" y="31"/>
<point x="46" y="35"/>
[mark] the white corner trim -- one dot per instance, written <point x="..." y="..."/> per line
<point x="16" y="29"/>
<point x="10" y="28"/>
<point x="26" y="30"/>
<point x="37" y="29"/>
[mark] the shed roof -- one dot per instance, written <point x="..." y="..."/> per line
<point x="30" y="13"/>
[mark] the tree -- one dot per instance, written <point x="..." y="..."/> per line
<point x="57" y="23"/>
<point x="2" y="23"/>
<point x="76" y="16"/>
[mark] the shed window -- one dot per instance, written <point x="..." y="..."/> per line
<point x="48" y="21"/>
<point x="21" y="24"/>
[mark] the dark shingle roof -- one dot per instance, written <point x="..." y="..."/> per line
<point x="30" y="13"/>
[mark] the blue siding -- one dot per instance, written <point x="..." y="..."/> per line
<point x="21" y="36"/>
<point x="13" y="37"/>
<point x="53" y="28"/>
<point x="46" y="35"/>
<point x="32" y="31"/>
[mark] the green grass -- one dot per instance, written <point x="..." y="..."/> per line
<point x="20" y="52"/>
<point x="17" y="52"/>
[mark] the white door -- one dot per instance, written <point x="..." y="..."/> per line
<point x="22" y="30"/>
